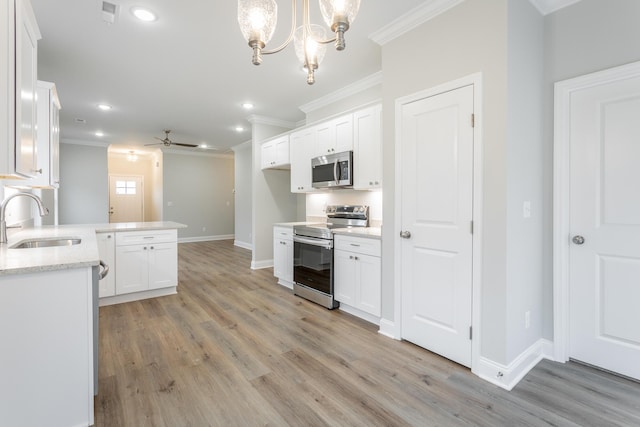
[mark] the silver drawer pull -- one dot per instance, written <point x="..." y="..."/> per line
<point x="353" y="244"/>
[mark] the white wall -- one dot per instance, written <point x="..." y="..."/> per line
<point x="467" y="39"/>
<point x="589" y="36"/>
<point x="272" y="200"/>
<point x="525" y="62"/>
<point x="198" y="192"/>
<point x="243" y="181"/>
<point x="83" y="196"/>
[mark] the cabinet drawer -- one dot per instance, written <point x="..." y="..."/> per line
<point x="153" y="236"/>
<point x="285" y="233"/>
<point x="361" y="245"/>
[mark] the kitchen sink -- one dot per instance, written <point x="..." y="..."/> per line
<point x="47" y="243"/>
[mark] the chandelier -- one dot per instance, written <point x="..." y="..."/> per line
<point x="258" y="18"/>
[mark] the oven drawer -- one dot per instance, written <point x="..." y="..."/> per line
<point x="361" y="245"/>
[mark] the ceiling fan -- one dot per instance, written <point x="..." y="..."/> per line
<point x="168" y="143"/>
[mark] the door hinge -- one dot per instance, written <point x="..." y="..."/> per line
<point x="471" y="227"/>
<point x="473" y="120"/>
<point x="470" y="332"/>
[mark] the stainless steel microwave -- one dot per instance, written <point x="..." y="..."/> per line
<point x="332" y="170"/>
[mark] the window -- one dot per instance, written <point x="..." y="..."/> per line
<point x="126" y="187"/>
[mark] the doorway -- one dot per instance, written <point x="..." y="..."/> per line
<point x="597" y="220"/>
<point x="436" y="174"/>
<point x="126" y="198"/>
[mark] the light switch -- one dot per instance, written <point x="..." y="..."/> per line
<point x="526" y="209"/>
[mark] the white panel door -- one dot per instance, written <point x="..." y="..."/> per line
<point x="437" y="196"/>
<point x="163" y="265"/>
<point x="604" y="270"/>
<point x="126" y="198"/>
<point x="132" y="273"/>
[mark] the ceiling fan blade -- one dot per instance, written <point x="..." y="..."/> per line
<point x="156" y="143"/>
<point x="184" y="145"/>
<point x="159" y="139"/>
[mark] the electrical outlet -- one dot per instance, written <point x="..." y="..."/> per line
<point x="527" y="319"/>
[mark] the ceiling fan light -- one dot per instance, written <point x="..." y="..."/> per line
<point x="339" y="15"/>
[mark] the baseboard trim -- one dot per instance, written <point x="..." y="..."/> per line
<point x="136" y="296"/>
<point x="259" y="265"/>
<point x="508" y="376"/>
<point x="360" y="314"/>
<point x="205" y="238"/>
<point x="243" y="245"/>
<point x="388" y="329"/>
<point x="287" y="284"/>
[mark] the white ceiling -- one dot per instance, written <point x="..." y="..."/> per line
<point x="189" y="71"/>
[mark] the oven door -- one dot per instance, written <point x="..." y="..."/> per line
<point x="313" y="263"/>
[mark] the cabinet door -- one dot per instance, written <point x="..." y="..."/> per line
<point x="302" y="145"/>
<point x="27" y="35"/>
<point x="268" y="155"/>
<point x="7" y="87"/>
<point x="345" y="277"/>
<point x="132" y="274"/>
<point x="280" y="261"/>
<point x="367" y="148"/>
<point x="282" y="151"/>
<point x="54" y="142"/>
<point x="163" y="265"/>
<point x="369" y="284"/>
<point x="334" y="136"/>
<point x="107" y="252"/>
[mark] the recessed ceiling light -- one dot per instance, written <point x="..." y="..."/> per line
<point x="239" y="128"/>
<point x="247" y="105"/>
<point x="99" y="133"/>
<point x="105" y="107"/>
<point x="143" y="14"/>
<point x="203" y="145"/>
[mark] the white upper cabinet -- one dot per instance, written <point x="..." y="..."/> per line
<point x="303" y="144"/>
<point x="367" y="148"/>
<point x="19" y="35"/>
<point x="275" y="153"/>
<point x="334" y="136"/>
<point x="48" y="145"/>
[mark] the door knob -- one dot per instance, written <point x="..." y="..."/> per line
<point x="578" y="240"/>
<point x="405" y="234"/>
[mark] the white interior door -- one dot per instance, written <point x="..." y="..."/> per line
<point x="437" y="209"/>
<point x="604" y="253"/>
<point x="126" y="195"/>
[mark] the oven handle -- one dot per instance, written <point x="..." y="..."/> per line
<point x="327" y="244"/>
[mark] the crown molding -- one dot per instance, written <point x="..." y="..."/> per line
<point x="270" y="121"/>
<point x="104" y="145"/>
<point x="546" y="7"/>
<point x="346" y="92"/>
<point x="197" y="153"/>
<point x="412" y="19"/>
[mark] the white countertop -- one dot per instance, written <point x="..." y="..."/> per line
<point x="370" y="232"/>
<point x="84" y="254"/>
<point x="292" y="224"/>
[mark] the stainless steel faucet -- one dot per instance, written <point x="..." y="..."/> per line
<point x="3" y="224"/>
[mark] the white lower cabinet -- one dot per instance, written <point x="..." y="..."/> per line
<point x="107" y="252"/>
<point x="357" y="276"/>
<point x="283" y="255"/>
<point x="46" y="331"/>
<point x="146" y="261"/>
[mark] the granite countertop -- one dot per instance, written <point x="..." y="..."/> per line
<point x="84" y="254"/>
<point x="370" y="232"/>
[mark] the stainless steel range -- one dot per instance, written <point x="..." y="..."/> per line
<point x="313" y="253"/>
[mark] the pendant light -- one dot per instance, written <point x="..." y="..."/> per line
<point x="258" y="19"/>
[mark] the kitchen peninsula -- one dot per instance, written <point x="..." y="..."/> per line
<point x="48" y="314"/>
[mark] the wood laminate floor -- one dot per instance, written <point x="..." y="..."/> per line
<point x="233" y="348"/>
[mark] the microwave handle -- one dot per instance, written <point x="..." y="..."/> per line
<point x="335" y="171"/>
